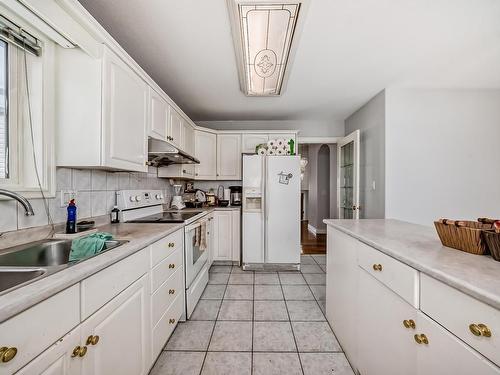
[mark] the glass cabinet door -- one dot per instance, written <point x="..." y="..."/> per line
<point x="348" y="176"/>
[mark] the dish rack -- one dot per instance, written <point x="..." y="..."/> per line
<point x="475" y="237"/>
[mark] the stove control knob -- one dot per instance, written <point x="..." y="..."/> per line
<point x="158" y="196"/>
<point x="137" y="198"/>
<point x="132" y="199"/>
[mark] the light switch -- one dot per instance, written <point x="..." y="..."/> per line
<point x="374" y="186"/>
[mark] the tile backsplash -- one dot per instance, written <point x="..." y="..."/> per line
<point x="95" y="196"/>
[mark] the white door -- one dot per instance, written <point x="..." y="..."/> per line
<point x="159" y="116"/>
<point x="125" y="115"/>
<point x="175" y="128"/>
<point x="282" y="209"/>
<point x="62" y="358"/>
<point x="229" y="157"/>
<point x="341" y="289"/>
<point x="206" y="152"/>
<point x="446" y="354"/>
<point x="222" y="235"/>
<point x="251" y="141"/>
<point x="124" y="330"/>
<point x="348" y="176"/>
<point x="385" y="346"/>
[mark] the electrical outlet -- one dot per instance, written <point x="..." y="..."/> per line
<point x="66" y="196"/>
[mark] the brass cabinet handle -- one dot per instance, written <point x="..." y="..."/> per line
<point x="410" y="323"/>
<point x="171" y="321"/>
<point x="171" y="265"/>
<point x="480" y="330"/>
<point x="171" y="291"/>
<point x="92" y="340"/>
<point x="377" y="267"/>
<point x="7" y="354"/>
<point x="421" y="339"/>
<point x="171" y="244"/>
<point x="79" y="351"/>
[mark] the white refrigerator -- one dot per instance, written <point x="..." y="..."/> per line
<point x="271" y="210"/>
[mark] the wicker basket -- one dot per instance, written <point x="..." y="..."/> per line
<point x="492" y="240"/>
<point x="463" y="235"/>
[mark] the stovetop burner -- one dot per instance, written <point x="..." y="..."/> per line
<point x="166" y="217"/>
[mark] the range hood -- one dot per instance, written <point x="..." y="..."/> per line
<point x="162" y="153"/>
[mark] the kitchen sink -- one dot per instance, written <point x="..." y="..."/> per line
<point x="14" y="277"/>
<point x="22" y="264"/>
<point x="43" y="253"/>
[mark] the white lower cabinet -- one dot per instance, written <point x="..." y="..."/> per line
<point x="381" y="332"/>
<point x="123" y="330"/>
<point x="226" y="235"/>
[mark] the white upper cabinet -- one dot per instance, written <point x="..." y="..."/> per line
<point x="159" y="116"/>
<point x="229" y="156"/>
<point x="205" y="145"/>
<point x="250" y="141"/>
<point x="175" y="128"/>
<point x="187" y="137"/>
<point x="125" y="116"/>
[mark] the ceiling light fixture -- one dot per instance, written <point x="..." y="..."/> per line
<point x="264" y="34"/>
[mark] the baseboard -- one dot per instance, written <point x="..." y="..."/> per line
<point x="320" y="231"/>
<point x="314" y="230"/>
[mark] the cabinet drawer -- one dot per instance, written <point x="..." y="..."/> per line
<point x="166" y="325"/>
<point x="37" y="328"/>
<point x="398" y="277"/>
<point x="166" y="246"/>
<point x="166" y="294"/>
<point x="460" y="311"/>
<point x="165" y="269"/>
<point x="100" y="288"/>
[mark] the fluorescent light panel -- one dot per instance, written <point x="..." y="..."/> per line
<point x="267" y="31"/>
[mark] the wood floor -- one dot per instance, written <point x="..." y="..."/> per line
<point x="311" y="244"/>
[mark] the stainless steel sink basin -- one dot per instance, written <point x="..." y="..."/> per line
<point x="22" y="264"/>
<point x="43" y="253"/>
<point x="13" y="277"/>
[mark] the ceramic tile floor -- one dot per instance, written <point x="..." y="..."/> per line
<point x="257" y="323"/>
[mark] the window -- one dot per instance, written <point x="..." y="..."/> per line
<point x="26" y="123"/>
<point x="4" y="121"/>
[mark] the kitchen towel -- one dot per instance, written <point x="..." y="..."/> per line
<point x="197" y="236"/>
<point x="87" y="246"/>
<point x="203" y="235"/>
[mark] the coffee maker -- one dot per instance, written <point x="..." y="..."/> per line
<point x="235" y="195"/>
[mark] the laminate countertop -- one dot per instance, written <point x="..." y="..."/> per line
<point x="139" y="237"/>
<point x="419" y="247"/>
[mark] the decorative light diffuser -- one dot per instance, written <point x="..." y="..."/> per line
<point x="263" y="34"/>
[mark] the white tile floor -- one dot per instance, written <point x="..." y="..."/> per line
<point x="258" y="324"/>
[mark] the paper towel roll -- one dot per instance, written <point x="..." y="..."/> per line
<point x="280" y="143"/>
<point x="280" y="152"/>
<point x="262" y="151"/>
<point x="227" y="194"/>
<point x="271" y="143"/>
<point x="271" y="152"/>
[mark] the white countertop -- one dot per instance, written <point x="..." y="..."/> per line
<point x="419" y="247"/>
<point x="139" y="235"/>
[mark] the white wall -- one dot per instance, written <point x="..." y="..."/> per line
<point x="442" y="154"/>
<point x="370" y="119"/>
<point x="307" y="128"/>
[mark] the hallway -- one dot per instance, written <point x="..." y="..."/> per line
<point x="310" y="243"/>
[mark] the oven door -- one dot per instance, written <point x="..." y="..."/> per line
<point x="196" y="242"/>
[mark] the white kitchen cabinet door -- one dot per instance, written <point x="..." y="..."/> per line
<point x="58" y="359"/>
<point x="250" y="141"/>
<point x="446" y="354"/>
<point x="223" y="241"/>
<point x="342" y="289"/>
<point x="124" y="330"/>
<point x="205" y="145"/>
<point x="125" y="115"/>
<point x="159" y="116"/>
<point x="187" y="138"/>
<point x="236" y="232"/>
<point x="385" y="346"/>
<point x="175" y="128"/>
<point x="229" y="156"/>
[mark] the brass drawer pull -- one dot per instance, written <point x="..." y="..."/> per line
<point x="171" y="291"/>
<point x="377" y="267"/>
<point x="79" y="351"/>
<point x="421" y="339"/>
<point x="171" y="321"/>
<point x="171" y="265"/>
<point x="92" y="340"/>
<point x="480" y="330"/>
<point x="171" y="244"/>
<point x="7" y="354"/>
<point x="409" y="324"/>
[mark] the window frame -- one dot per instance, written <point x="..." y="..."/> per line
<point x="22" y="174"/>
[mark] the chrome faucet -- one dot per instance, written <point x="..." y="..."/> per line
<point x="22" y="201"/>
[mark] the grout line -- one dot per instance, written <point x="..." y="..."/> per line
<point x="253" y="323"/>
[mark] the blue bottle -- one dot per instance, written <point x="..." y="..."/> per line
<point x="71" y="220"/>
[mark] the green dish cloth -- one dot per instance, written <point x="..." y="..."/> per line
<point x="87" y="246"/>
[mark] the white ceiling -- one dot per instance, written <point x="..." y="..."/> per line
<point x="348" y="51"/>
